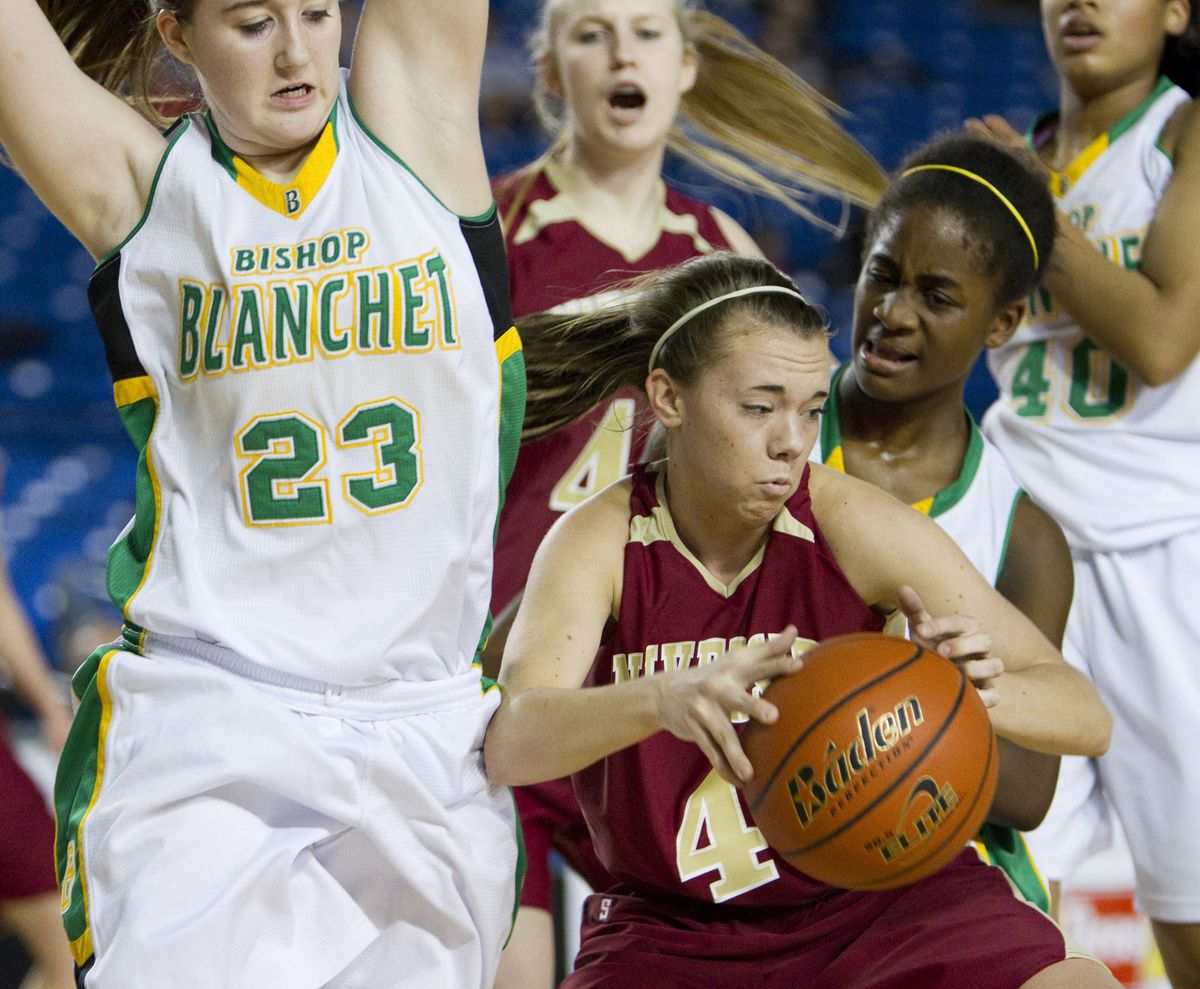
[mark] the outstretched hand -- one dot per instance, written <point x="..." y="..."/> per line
<point x="696" y="704"/>
<point x="957" y="637"/>
<point x="992" y="127"/>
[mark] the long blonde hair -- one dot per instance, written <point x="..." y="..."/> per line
<point x="116" y="43"/>
<point x="758" y="126"/>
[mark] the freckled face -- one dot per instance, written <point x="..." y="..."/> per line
<point x="621" y="67"/>
<point x="268" y="68"/>
<point x="749" y="422"/>
<point x="923" y="306"/>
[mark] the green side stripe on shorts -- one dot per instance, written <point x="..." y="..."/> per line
<point x="1005" y="848"/>
<point x="521" y="863"/>
<point x="76" y="787"/>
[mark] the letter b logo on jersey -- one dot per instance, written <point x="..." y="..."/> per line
<point x="292" y="198"/>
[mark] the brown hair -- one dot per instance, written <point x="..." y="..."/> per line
<point x="759" y="126"/>
<point x="574" y="362"/>
<point x="116" y="42"/>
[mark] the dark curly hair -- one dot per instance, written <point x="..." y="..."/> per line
<point x="996" y="234"/>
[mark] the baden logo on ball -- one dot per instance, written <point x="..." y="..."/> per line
<point x="881" y="766"/>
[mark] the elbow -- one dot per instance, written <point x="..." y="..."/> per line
<point x="1027" y="820"/>
<point x="1097" y="733"/>
<point x="499" y="763"/>
<point x="1163" y="365"/>
<point x="1103" y="734"/>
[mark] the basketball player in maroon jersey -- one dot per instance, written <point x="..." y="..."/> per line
<point x="614" y="78"/>
<point x="694" y="578"/>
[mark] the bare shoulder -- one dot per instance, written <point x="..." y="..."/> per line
<point x="838" y="498"/>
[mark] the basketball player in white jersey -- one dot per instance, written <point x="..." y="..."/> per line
<point x="275" y="777"/>
<point x="1099" y="413"/>
<point x="954" y="247"/>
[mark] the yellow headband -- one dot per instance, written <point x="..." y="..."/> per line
<point x="999" y="195"/>
<point x="752" y="290"/>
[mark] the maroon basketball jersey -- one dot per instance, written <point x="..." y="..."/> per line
<point x="555" y="262"/>
<point x="660" y="816"/>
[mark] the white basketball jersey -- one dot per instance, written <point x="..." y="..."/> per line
<point x="975" y="511"/>
<point x="312" y="374"/>
<point x="1112" y="459"/>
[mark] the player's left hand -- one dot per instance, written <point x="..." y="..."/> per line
<point x="959" y="638"/>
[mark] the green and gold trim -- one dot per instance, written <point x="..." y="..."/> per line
<point x="833" y="455"/>
<point x="1062" y="182"/>
<point x="293" y="198"/>
<point x="76" y="789"/>
<point x="131" y="557"/>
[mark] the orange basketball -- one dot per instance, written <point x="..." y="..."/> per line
<point x="881" y="767"/>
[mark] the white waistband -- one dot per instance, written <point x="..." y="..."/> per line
<point x="388" y="698"/>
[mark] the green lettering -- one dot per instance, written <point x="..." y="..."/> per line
<point x="435" y="267"/>
<point x="415" y="338"/>
<point x="333" y="338"/>
<point x="191" y="305"/>
<point x="374" y="311"/>
<point x="291" y="322"/>
<point x="214" y="357"/>
<point x="248" y="330"/>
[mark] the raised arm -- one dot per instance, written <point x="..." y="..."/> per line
<point x="549" y="725"/>
<point x="89" y="156"/>
<point x="1042" y="703"/>
<point x="414" y="79"/>
<point x="1148" y="319"/>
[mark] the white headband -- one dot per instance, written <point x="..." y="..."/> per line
<point x="753" y="290"/>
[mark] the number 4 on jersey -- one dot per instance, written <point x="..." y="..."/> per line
<point x="604" y="459"/>
<point x="715" y="836"/>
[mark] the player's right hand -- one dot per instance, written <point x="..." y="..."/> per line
<point x="697" y="704"/>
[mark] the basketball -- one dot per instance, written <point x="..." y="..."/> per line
<point x="881" y="765"/>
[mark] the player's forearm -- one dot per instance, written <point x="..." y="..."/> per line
<point x="1124" y="312"/>
<point x="547" y="733"/>
<point x="1051" y="708"/>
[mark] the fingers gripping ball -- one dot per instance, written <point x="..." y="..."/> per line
<point x="881" y="765"/>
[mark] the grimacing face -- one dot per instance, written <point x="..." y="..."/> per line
<point x="924" y="306"/>
<point x="746" y="426"/>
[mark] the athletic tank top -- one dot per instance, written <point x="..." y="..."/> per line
<point x="1112" y="459"/>
<point x="976" y="510"/>
<point x="325" y="391"/>
<point x="660" y="816"/>
<point x="556" y="263"/>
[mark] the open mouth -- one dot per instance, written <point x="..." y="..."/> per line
<point x="1078" y="32"/>
<point x="296" y="92"/>
<point x="627" y="97"/>
<point x="881" y="356"/>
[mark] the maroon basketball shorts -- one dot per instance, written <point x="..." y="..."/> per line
<point x="26" y="832"/>
<point x="551" y="819"/>
<point x="959" y="927"/>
